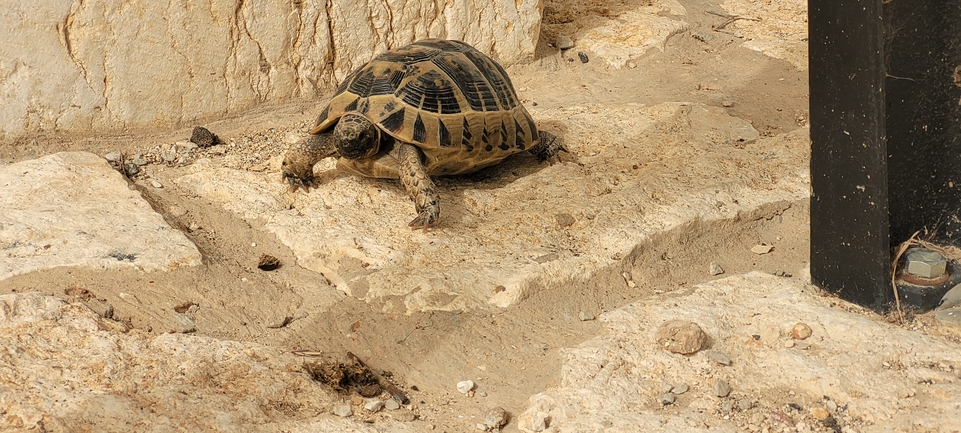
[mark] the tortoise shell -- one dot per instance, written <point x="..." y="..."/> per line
<point x="445" y="97"/>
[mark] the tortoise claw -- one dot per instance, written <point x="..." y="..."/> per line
<point x="296" y="182"/>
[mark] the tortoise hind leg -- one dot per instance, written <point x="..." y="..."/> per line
<point x="547" y="147"/>
<point x="419" y="187"/>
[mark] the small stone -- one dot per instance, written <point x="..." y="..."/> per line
<point x="789" y="344"/>
<point x="391" y="404"/>
<point x="801" y="331"/>
<point x="481" y="426"/>
<point x="680" y="388"/>
<point x="357" y="401"/>
<point x="727" y="103"/>
<point x="564" y="42"/>
<point x="583" y="56"/>
<point x="268" y="262"/>
<point x="762" y="249"/>
<point x="156" y="183"/>
<point x="131" y="169"/>
<point x="831" y="406"/>
<point x="541" y="422"/>
<point x="715" y="269"/>
<point x="631" y="64"/>
<point x="482" y="394"/>
<point x="373" y="405"/>
<point x="585" y="316"/>
<point x="949" y="300"/>
<point x="139" y="160"/>
<point x="666" y="398"/>
<point x="342" y="410"/>
<point x="744" y="404"/>
<point x="727" y="406"/>
<point x="113" y="156"/>
<point x="721" y="388"/>
<point x="465" y="386"/>
<point x="666" y="387"/>
<point x="168" y="156"/>
<point x="820" y="413"/>
<point x="681" y="336"/>
<point x="718" y="357"/>
<point x="496" y="417"/>
<point x="203" y="137"/>
<point x="403" y="416"/>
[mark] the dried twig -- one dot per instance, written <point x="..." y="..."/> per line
<point x="913" y="240"/>
<point x="729" y="19"/>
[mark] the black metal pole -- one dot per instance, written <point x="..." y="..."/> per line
<point x="885" y="124"/>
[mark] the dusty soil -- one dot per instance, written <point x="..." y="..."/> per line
<point x="511" y="353"/>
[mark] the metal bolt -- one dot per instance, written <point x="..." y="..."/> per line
<point x="925" y="263"/>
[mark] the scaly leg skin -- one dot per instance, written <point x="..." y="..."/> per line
<point x="418" y="185"/>
<point x="548" y="146"/>
<point x="298" y="165"/>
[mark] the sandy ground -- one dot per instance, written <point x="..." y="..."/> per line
<point x="513" y="351"/>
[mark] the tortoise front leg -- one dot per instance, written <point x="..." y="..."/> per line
<point x="419" y="187"/>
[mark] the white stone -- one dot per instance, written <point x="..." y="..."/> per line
<point x="73" y="209"/>
<point x="342" y="410"/>
<point x="71" y="375"/>
<point x="391" y="404"/>
<point x="373" y="405"/>
<point x="465" y="386"/>
<point x="74" y="66"/>
<point x="633" y="171"/>
<point x="845" y="364"/>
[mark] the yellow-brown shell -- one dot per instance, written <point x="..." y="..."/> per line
<point x="452" y="101"/>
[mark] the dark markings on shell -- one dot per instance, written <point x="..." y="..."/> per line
<point x="496" y="76"/>
<point x="323" y="115"/>
<point x="518" y="136"/>
<point x="420" y="133"/>
<point x="504" y="145"/>
<point x="394" y="122"/>
<point x="488" y="148"/>
<point x="443" y="135"/>
<point x="352" y="106"/>
<point x="469" y="81"/>
<point x="430" y="92"/>
<point x="466" y="137"/>
<point x="364" y="106"/>
<point x="534" y="133"/>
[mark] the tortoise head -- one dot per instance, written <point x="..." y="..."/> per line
<point x="356" y="137"/>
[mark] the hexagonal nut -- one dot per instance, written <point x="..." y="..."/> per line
<point x="925" y="263"/>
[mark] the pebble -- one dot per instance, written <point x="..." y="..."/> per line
<point x="820" y="413"/>
<point x="789" y="344"/>
<point x="718" y="357"/>
<point x="745" y="404"/>
<point x="681" y="336"/>
<point x="631" y="64"/>
<point x="374" y="405"/>
<point x="721" y="388"/>
<point x="391" y="404"/>
<point x="113" y="156"/>
<point x="680" y="388"/>
<point x="666" y="398"/>
<point x="495" y="417"/>
<point x="541" y="422"/>
<point x="564" y="42"/>
<point x="762" y="249"/>
<point x="168" y="156"/>
<point x="727" y="406"/>
<point x="481" y="426"/>
<point x="342" y="410"/>
<point x="131" y="169"/>
<point x="666" y="387"/>
<point x="564" y="219"/>
<point x="465" y="386"/>
<point x="715" y="269"/>
<point x="831" y="406"/>
<point x="949" y="300"/>
<point x="585" y="316"/>
<point x="801" y="331"/>
<point x="203" y="137"/>
<point x="156" y="183"/>
<point x="581" y="55"/>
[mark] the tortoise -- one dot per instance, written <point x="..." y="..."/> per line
<point x="434" y="107"/>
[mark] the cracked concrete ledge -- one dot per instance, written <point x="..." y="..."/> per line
<point x="633" y="171"/>
<point x="112" y="65"/>
<point x="72" y="209"/>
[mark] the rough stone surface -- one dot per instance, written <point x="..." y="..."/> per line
<point x="73" y="209"/>
<point x="779" y="28"/>
<point x="60" y="371"/>
<point x="112" y="64"/>
<point x="680" y="336"/>
<point x="633" y="171"/>
<point x="603" y="378"/>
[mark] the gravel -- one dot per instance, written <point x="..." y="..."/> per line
<point x="721" y="388"/>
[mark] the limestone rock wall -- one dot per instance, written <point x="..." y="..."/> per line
<point x="111" y="64"/>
